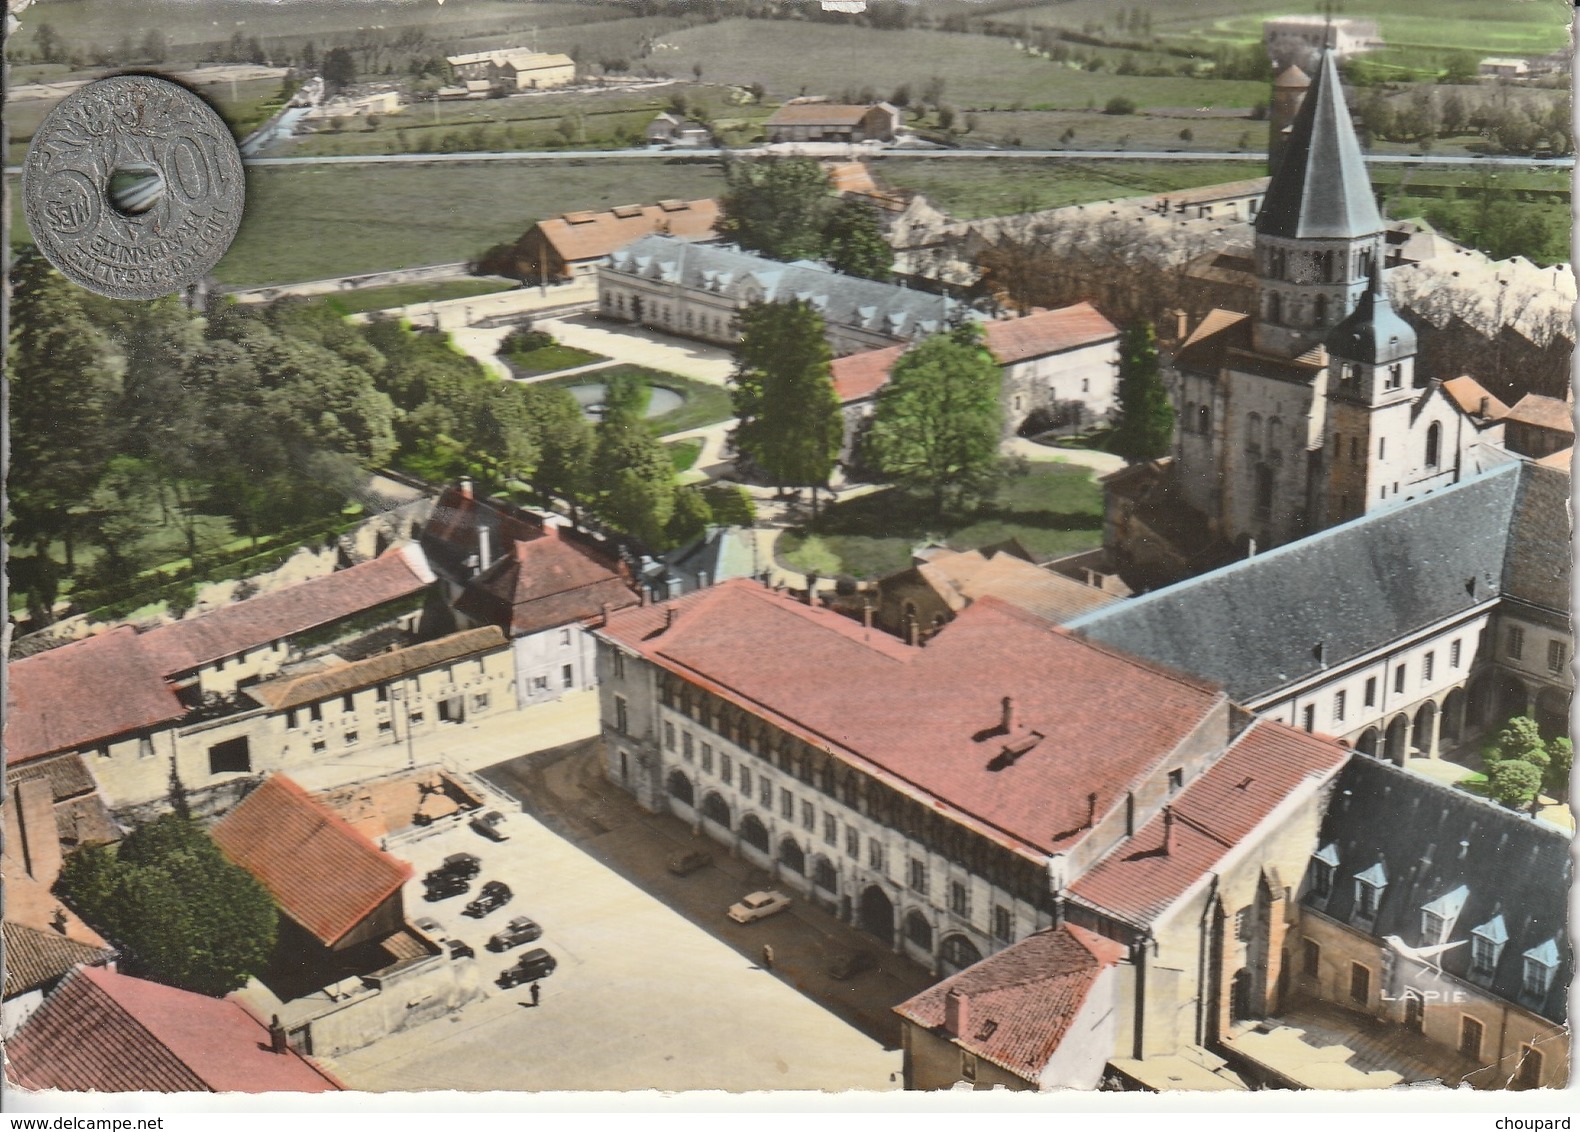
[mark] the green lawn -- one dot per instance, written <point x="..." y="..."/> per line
<point x="551" y="359"/>
<point x="1052" y="509"/>
<point x="972" y="189"/>
<point x="703" y="404"/>
<point x="325" y="221"/>
<point x="407" y="294"/>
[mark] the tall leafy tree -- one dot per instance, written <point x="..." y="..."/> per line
<point x="790" y="423"/>
<point x="853" y="240"/>
<point x="776" y="206"/>
<point x="633" y="474"/>
<point x="1145" y="429"/>
<point x="937" y="423"/>
<point x="183" y="913"/>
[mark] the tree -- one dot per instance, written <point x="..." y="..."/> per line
<point x="690" y="518"/>
<point x="853" y="240"/>
<point x="633" y="475"/>
<point x="731" y="504"/>
<point x="340" y="69"/>
<point x="1119" y="104"/>
<point x="776" y="206"/>
<point x="181" y="912"/>
<point x="790" y="423"/>
<point x="1520" y="763"/>
<point x="1514" y="782"/>
<point x="1145" y="429"/>
<point x="937" y="424"/>
<point x="49" y="47"/>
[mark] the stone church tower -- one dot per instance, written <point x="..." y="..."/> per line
<point x="1308" y="409"/>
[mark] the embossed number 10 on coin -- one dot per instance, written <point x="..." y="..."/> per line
<point x="133" y="187"/>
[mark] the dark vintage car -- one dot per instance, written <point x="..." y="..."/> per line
<point x="443" y="887"/>
<point x="520" y="930"/>
<point x="459" y="949"/>
<point x="458" y="866"/>
<point x="850" y="964"/>
<point x="491" y="825"/>
<point x="684" y="864"/>
<point x="494" y="894"/>
<point x="535" y="964"/>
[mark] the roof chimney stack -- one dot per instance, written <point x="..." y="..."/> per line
<point x="485" y="548"/>
<point x="1091" y="810"/>
<point x="1008" y="723"/>
<point x="606" y="608"/>
<point x="466" y="487"/>
<point x="669" y="617"/>
<point x="866" y="614"/>
<point x="957" y="1014"/>
<point x="278" y="1042"/>
<point x="1168" y="829"/>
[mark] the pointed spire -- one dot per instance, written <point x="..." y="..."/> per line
<point x="1321" y="188"/>
<point x="1374" y="332"/>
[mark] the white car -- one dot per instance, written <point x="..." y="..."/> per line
<point x="759" y="905"/>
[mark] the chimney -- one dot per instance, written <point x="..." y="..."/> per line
<point x="1058" y="912"/>
<point x="1250" y="549"/>
<point x="278" y="1042"/>
<point x="485" y="548"/>
<point x="702" y="579"/>
<point x="866" y="614"/>
<point x="1091" y="810"/>
<point x="1321" y="652"/>
<point x="1168" y="829"/>
<point x="913" y="633"/>
<point x="466" y="487"/>
<point x="1008" y="722"/>
<point x="957" y="1014"/>
<point x="606" y="607"/>
<point x="1181" y="325"/>
<point x="669" y="617"/>
<point x="1486" y="403"/>
<point x="811" y="590"/>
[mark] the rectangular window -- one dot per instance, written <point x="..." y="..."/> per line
<point x="619" y="664"/>
<point x="1530" y="1074"/>
<point x="622" y="719"/>
<point x="1557" y="657"/>
<point x="1516" y="644"/>
<point x="1382" y="448"/>
<point x="233" y="756"/>
<point x="565" y="638"/>
<point x="1176" y="779"/>
<point x="916" y="875"/>
<point x="968" y="1066"/>
<point x="1338" y="707"/>
<point x="746" y="781"/>
<point x="1433" y="928"/>
<point x="830" y="828"/>
<point x="1308" y="717"/>
<point x="351" y="738"/>
<point x="1453" y="654"/>
<point x="385" y="727"/>
<point x="290" y="720"/>
<point x="726" y="768"/>
<point x="786" y="804"/>
<point x="669" y="736"/>
<point x="707" y="757"/>
<point x="1360" y="983"/>
<point x="959" y="898"/>
<point x="875" y="854"/>
<point x="1428" y="662"/>
<point x="808" y="815"/>
<point x="1321" y="878"/>
<point x="414" y="719"/>
<point x="319" y="746"/>
<point x="1371" y="691"/>
<point x="1366" y="897"/>
<point x="1398" y="679"/>
<point x="1470" y="1031"/>
<point x="567" y="676"/>
<point x="1483" y="954"/>
<point x="316" y="713"/>
<point x="685" y="745"/>
<point x="1538" y="977"/>
<point x="852" y="842"/>
<point x="348" y="703"/>
<point x="1003" y="924"/>
<point x="539" y="684"/>
<point x="1242" y="924"/>
<point x="382" y="693"/>
<point x="1310" y="958"/>
<point x="480" y="701"/>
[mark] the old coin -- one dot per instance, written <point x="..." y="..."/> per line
<point x="133" y="187"/>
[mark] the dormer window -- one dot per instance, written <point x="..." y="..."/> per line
<point x="1540" y="963"/>
<point x="1438" y="917"/>
<point x="1369" y="888"/>
<point x="1486" y="946"/>
<point x="1323" y="863"/>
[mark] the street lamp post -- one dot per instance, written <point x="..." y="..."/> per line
<point x="400" y="696"/>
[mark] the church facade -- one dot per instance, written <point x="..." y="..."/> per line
<point x="1310" y="409"/>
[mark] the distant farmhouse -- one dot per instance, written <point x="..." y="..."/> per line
<point x="1299" y="40"/>
<point x="808" y="121"/>
<point x="696" y="290"/>
<point x="514" y="69"/>
<point x="668" y="129"/>
<point x="571" y="245"/>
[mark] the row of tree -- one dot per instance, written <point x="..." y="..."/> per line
<point x="1521" y="764"/>
<point x="785" y="208"/>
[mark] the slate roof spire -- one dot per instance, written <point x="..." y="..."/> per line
<point x="1373" y="333"/>
<point x="1321" y="188"/>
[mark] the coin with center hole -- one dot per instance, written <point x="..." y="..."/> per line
<point x="133" y="187"/>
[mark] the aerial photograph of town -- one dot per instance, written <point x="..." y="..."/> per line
<point x="800" y="546"/>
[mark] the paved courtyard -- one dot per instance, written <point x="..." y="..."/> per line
<point x="642" y="997"/>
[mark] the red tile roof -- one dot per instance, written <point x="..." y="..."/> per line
<point x="926" y="719"/>
<point x="198" y="641"/>
<point x="1021" y="1001"/>
<point x="102" y="1031"/>
<point x="582" y="236"/>
<point x="322" y="873"/>
<point x="1213" y="337"/>
<point x="1469" y="394"/>
<point x="1216" y="812"/>
<point x="83" y="693"/>
<point x="857" y="376"/>
<point x="543" y="583"/>
<point x="294" y="691"/>
<point x="1543" y="412"/>
<point x="1013" y="340"/>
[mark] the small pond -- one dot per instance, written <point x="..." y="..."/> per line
<point x="660" y="400"/>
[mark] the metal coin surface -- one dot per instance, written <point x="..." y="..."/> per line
<point x="133" y="187"/>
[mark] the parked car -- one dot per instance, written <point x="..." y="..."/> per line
<point x="850" y="964"/>
<point x="520" y="930"/>
<point x="758" y="906"/>
<point x="683" y="864"/>
<point x="535" y="964"/>
<point x="460" y="866"/>
<point x="443" y="887"/>
<point x="494" y="894"/>
<point x="429" y="926"/>
<point x="459" y="949"/>
<point x="490" y="825"/>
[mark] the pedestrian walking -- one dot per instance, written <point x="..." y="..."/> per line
<point x="536" y="992"/>
<point x="768" y="958"/>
